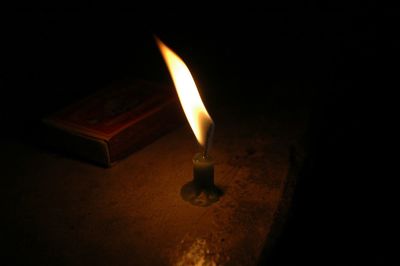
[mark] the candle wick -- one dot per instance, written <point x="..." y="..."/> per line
<point x="207" y="146"/>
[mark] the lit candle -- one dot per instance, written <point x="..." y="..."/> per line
<point x="201" y="191"/>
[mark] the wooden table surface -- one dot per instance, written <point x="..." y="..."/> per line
<point x="60" y="211"/>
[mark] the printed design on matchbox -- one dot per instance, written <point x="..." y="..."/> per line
<point x="110" y="110"/>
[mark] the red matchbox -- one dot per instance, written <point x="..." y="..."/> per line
<point x="114" y="122"/>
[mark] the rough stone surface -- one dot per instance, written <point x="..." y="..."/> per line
<point x="67" y="212"/>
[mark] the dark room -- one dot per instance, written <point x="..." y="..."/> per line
<point x="198" y="136"/>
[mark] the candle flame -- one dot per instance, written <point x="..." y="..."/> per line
<point x="195" y="111"/>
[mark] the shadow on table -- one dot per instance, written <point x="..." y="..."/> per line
<point x="343" y="209"/>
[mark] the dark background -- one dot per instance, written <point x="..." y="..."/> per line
<point x="344" y="204"/>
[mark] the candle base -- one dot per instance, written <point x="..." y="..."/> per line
<point x="200" y="195"/>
